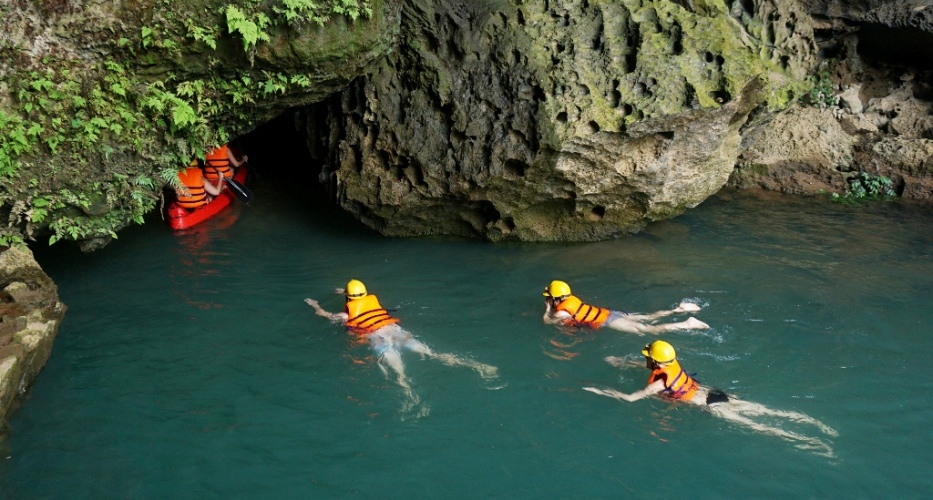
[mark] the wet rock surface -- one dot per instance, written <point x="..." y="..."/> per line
<point x="30" y="316"/>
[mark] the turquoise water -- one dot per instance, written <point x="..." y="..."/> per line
<point x="189" y="366"/>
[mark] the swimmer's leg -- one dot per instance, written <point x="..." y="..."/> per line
<point x="734" y="414"/>
<point x="683" y="307"/>
<point x="757" y="410"/>
<point x="393" y="359"/>
<point x="484" y="370"/>
<point x="626" y="324"/>
<point x="688" y="324"/>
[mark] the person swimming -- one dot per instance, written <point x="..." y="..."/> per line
<point x="669" y="380"/>
<point x="561" y="307"/>
<point x="364" y="317"/>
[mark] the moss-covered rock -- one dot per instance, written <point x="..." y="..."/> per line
<point x="101" y="102"/>
<point x="559" y="120"/>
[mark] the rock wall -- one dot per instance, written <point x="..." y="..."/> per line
<point x="558" y="120"/>
<point x="877" y="117"/>
<point x="30" y="315"/>
<point x="577" y="120"/>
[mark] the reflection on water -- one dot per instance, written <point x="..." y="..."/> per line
<point x="189" y="365"/>
<point x="197" y="259"/>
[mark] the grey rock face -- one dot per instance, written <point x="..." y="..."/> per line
<point x="544" y="121"/>
<point x="883" y="123"/>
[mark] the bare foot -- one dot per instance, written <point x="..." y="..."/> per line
<point x="687" y="307"/>
<point x="488" y="372"/>
<point x="695" y="324"/>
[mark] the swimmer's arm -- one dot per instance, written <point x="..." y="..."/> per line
<point x="336" y="317"/>
<point x="652" y="389"/>
<point x="623" y="362"/>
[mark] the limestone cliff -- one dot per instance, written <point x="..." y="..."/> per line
<point x="559" y="120"/>
<point x="30" y="315"/>
<point x="502" y="119"/>
<point x="876" y="109"/>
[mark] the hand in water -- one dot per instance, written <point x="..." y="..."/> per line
<point x="311" y="302"/>
<point x="608" y="392"/>
<point x="615" y="361"/>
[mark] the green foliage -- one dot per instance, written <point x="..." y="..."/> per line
<point x="79" y="118"/>
<point x="201" y="34"/>
<point x="91" y="118"/>
<point x="822" y="92"/>
<point x="9" y="240"/>
<point x="296" y="12"/>
<point x="864" y="187"/>
<point x="170" y="177"/>
<point x="275" y="83"/>
<point x="251" y="30"/>
<point x="146" y="36"/>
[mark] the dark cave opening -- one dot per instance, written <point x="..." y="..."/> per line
<point x="885" y="46"/>
<point x="279" y="153"/>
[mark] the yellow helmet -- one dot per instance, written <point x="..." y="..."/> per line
<point x="355" y="289"/>
<point x="557" y="289"/>
<point x="660" y="351"/>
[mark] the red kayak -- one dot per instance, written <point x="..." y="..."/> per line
<point x="182" y="218"/>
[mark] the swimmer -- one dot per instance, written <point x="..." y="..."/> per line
<point x="563" y="308"/>
<point x="670" y="381"/>
<point x="364" y="317"/>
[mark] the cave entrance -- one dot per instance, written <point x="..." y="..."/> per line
<point x="279" y="153"/>
<point x="906" y="47"/>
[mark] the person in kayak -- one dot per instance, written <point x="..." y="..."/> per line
<point x="564" y="309"/>
<point x="364" y="317"/>
<point x="195" y="189"/>
<point x="669" y="381"/>
<point x="222" y="162"/>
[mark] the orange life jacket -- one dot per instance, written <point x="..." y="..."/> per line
<point x="366" y="315"/>
<point x="677" y="383"/>
<point x="197" y="196"/>
<point x="217" y="163"/>
<point x="582" y="314"/>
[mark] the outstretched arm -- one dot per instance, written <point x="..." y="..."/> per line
<point x="339" y="317"/>
<point x="652" y="389"/>
<point x="622" y="362"/>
